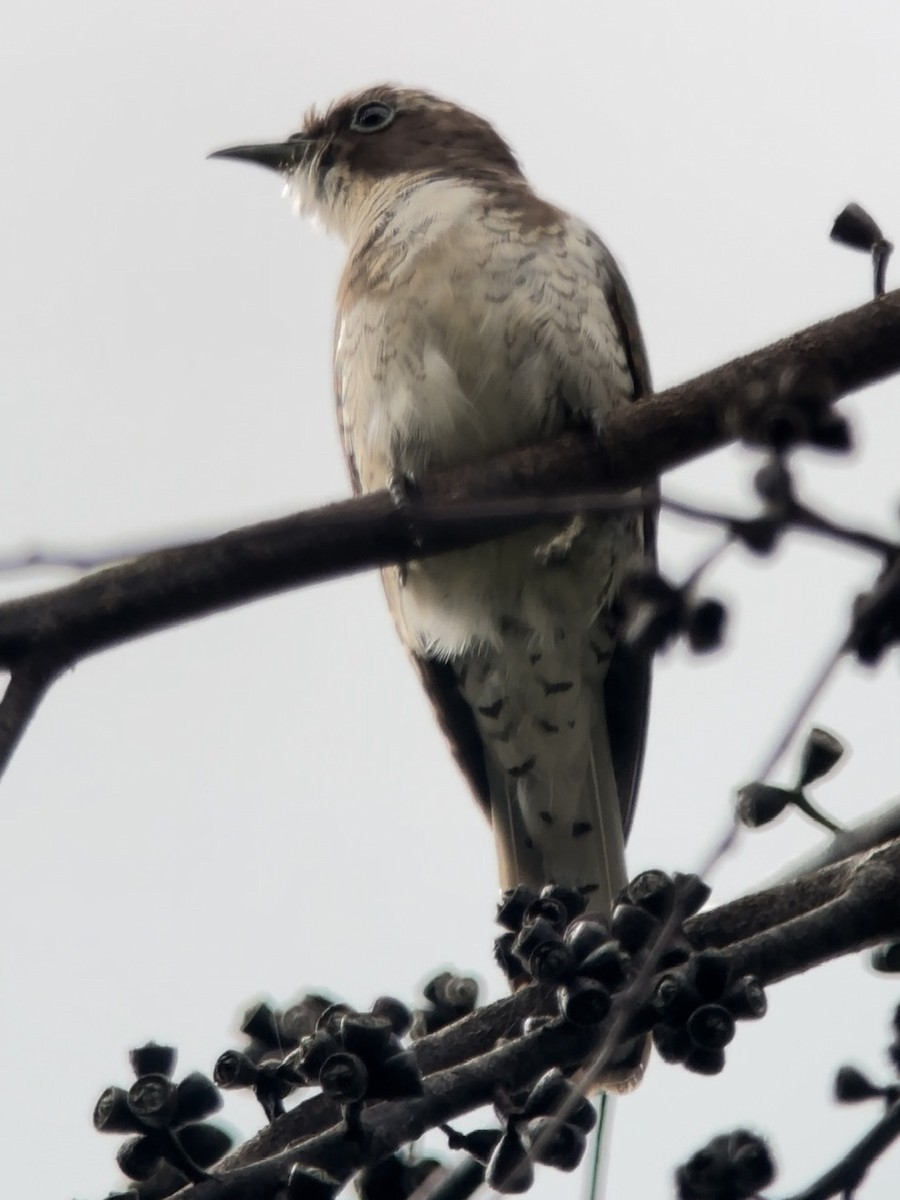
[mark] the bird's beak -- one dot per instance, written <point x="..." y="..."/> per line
<point x="277" y="156"/>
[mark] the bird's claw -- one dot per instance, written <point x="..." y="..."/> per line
<point x="404" y="492"/>
<point x="557" y="549"/>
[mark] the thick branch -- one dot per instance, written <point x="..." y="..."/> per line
<point x="459" y="507"/>
<point x="778" y="933"/>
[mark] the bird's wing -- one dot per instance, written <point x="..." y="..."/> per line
<point x="608" y="325"/>
<point x="627" y="685"/>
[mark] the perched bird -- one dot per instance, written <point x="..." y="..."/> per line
<point x="472" y="317"/>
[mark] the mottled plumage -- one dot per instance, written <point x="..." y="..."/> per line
<point x="472" y="317"/>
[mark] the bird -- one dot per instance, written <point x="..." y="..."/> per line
<point x="474" y="316"/>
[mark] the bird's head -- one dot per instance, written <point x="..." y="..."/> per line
<point x="374" y="143"/>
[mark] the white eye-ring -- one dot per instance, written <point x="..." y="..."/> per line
<point x="372" y="116"/>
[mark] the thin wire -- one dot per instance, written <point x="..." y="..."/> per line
<point x="593" y="1188"/>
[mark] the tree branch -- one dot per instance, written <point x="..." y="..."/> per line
<point x="774" y="934"/>
<point x="29" y="680"/>
<point x="458" y="507"/>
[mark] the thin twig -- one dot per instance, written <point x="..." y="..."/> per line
<point x="845" y="1177"/>
<point x="28" y="684"/>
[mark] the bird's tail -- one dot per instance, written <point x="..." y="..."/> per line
<point x="560" y="821"/>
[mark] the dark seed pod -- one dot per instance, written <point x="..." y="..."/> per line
<point x="745" y="999"/>
<point x="393" y="1178"/>
<point x="551" y="1090"/>
<point x="584" y="1002"/>
<point x="711" y="1027"/>
<point x="708" y="971"/>
<point x="832" y="432"/>
<point x="397" y="1077"/>
<point x="366" y="1035"/>
<point x="512" y="906"/>
<point x="204" y="1144"/>
<point x="479" y="1143"/>
<point x="760" y="535"/>
<point x="395" y="1012"/>
<point x="583" y="1115"/>
<point x="693" y="893"/>
<point x="549" y="909"/>
<point x="299" y="1021"/>
<point x="153" y="1099"/>
<point x="822" y="751"/>
<point x="573" y="902"/>
<point x="139" y="1157"/>
<point x="330" y="1020"/>
<point x="585" y="935"/>
<point x="854" y="227"/>
<point x="509" y="1170"/>
<point x="608" y="964"/>
<point x="112" y="1113"/>
<point x="235" y="1070"/>
<point x="654" y="891"/>
<point x="271" y="1088"/>
<point x="705" y="1062"/>
<point x="534" y="935"/>
<point x="632" y="927"/>
<point x="675" y="954"/>
<point x="674" y="998"/>
<point x="313" y="1052"/>
<point x="197" y="1098"/>
<point x="459" y="992"/>
<point x="506" y="959"/>
<point x="344" y="1077"/>
<point x="153" y="1060"/>
<point x="773" y="483"/>
<point x="261" y="1023"/>
<point x="851" y="1086"/>
<point x="555" y="1144"/>
<point x="760" y="803"/>
<point x="672" y="1043"/>
<point x="551" y="962"/>
<point x="706" y="625"/>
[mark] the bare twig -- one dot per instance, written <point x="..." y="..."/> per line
<point x="29" y="680"/>
<point x="845" y="1177"/>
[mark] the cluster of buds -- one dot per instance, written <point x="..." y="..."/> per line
<point x="733" y="1166"/>
<point x="793" y="409"/>
<point x="355" y="1057"/>
<point x="694" y="1008"/>
<point x="658" y="611"/>
<point x="759" y="803"/>
<point x="549" y="1127"/>
<point x="584" y="958"/>
<point x="168" y="1118"/>
<point x="261" y="1065"/>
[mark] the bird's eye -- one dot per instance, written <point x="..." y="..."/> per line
<point x="372" y="116"/>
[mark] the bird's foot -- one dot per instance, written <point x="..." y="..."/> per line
<point x="557" y="549"/>
<point x="404" y="492"/>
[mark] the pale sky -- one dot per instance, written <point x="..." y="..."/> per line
<point x="260" y="803"/>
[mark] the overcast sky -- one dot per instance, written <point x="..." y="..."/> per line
<point x="260" y="802"/>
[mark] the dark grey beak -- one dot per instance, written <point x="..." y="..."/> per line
<point x="277" y="156"/>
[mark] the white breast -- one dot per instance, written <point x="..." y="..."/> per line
<point x="477" y="335"/>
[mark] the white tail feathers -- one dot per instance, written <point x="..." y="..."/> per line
<point x="563" y="826"/>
